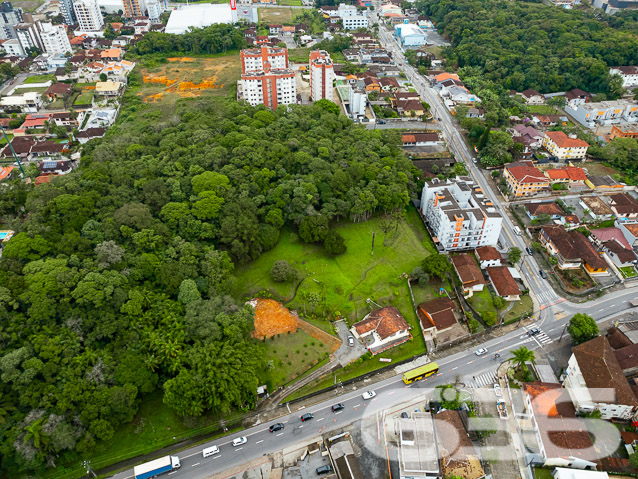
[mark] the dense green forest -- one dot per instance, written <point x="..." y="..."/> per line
<point x="214" y="39"/>
<point x="117" y="280"/>
<point x="529" y="45"/>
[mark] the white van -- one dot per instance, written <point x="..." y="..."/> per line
<point x="209" y="451"/>
<point x="517" y="230"/>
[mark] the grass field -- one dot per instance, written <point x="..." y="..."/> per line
<point x="291" y="355"/>
<point x="39" y="79"/>
<point x="222" y="71"/>
<point x="628" y="271"/>
<point x="482" y="302"/>
<point x="27" y="5"/>
<point x="84" y="98"/>
<point x="290" y="3"/>
<point x="525" y="305"/>
<point x="278" y="15"/>
<point x="596" y="168"/>
<point x="542" y="109"/>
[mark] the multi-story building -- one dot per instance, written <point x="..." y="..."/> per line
<point x="155" y="9"/>
<point x="623" y="131"/>
<point x="410" y="35"/>
<point x="595" y="381"/>
<point x="28" y="34"/>
<point x="523" y="179"/>
<point x="270" y="87"/>
<point x="351" y="18"/>
<point x="321" y="75"/>
<point x="358" y="101"/>
<point x="563" y="147"/>
<point x="459" y="214"/>
<point x="613" y="6"/>
<point x="13" y="48"/>
<point x="9" y="18"/>
<point x="256" y="59"/>
<point x="605" y="112"/>
<point x="67" y="11"/>
<point x="54" y="39"/>
<point x="88" y="15"/>
<point x="628" y="74"/>
<point x="134" y="8"/>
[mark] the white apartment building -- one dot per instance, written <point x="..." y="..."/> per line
<point x="563" y="147"/>
<point x="28" y="34"/>
<point x="256" y="59"/>
<point x="351" y="17"/>
<point x="459" y="214"/>
<point x="605" y="112"/>
<point x="66" y="9"/>
<point x="54" y="39"/>
<point x="596" y="382"/>
<point x="628" y="74"/>
<point x="270" y="87"/>
<point x="13" y="48"/>
<point x="155" y="8"/>
<point x="321" y="75"/>
<point x="358" y="101"/>
<point x="9" y="17"/>
<point x="88" y="15"/>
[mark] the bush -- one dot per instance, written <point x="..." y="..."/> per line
<point x="281" y="271"/>
<point x="334" y="243"/>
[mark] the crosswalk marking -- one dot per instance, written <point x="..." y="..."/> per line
<point x="543" y="338"/>
<point x="485" y="379"/>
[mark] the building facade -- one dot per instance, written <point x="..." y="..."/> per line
<point x="134" y="8"/>
<point x="67" y="11"/>
<point x="13" y="48"/>
<point x="54" y="39"/>
<point x="563" y="147"/>
<point x="88" y="15"/>
<point x="9" y="18"/>
<point x="155" y="9"/>
<point x="628" y="74"/>
<point x="28" y="34"/>
<point x="605" y="113"/>
<point x="322" y="75"/>
<point x="256" y="59"/>
<point x="459" y="215"/>
<point x="351" y="18"/>
<point x="525" y="180"/>
<point x="270" y="87"/>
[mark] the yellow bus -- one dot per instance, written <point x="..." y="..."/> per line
<point x="420" y="373"/>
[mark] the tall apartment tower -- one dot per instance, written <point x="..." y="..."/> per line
<point x="29" y="35"/>
<point x="321" y="75"/>
<point x="88" y="15"/>
<point x="254" y="59"/>
<point x="134" y="8"/>
<point x="9" y="18"/>
<point x="270" y="87"/>
<point x="155" y="8"/>
<point x="66" y="8"/>
<point x="54" y="39"/>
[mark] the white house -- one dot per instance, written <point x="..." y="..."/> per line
<point x="382" y="329"/>
<point x="596" y="382"/>
<point x="29" y="102"/>
<point x="488" y="257"/>
<point x="564" y="473"/>
<point x="629" y="75"/>
<point x="532" y="97"/>
<point x="469" y="273"/>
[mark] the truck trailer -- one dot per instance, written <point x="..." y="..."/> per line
<point x="156" y="467"/>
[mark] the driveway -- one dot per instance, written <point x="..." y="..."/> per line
<point x="346" y="354"/>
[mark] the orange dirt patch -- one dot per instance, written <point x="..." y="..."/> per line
<point x="181" y="59"/>
<point x="272" y="318"/>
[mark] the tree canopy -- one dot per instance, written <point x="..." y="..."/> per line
<point x="582" y="328"/>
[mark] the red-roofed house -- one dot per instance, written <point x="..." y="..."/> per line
<point x="488" y="256"/>
<point x="469" y="273"/>
<point x="625" y="207"/>
<point x="438" y="314"/>
<point x="420" y="139"/>
<point x="563" y="147"/>
<point x="547" y="208"/>
<point x="523" y="179"/>
<point x="504" y="283"/>
<point x="571" y="249"/>
<point x="382" y="329"/>
<point x="5" y="171"/>
<point x="573" y="176"/>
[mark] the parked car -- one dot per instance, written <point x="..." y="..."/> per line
<point x="276" y="427"/>
<point x="481" y="352"/>
<point x="368" y="395"/>
<point x="533" y="332"/>
<point x="338" y="407"/>
<point x="239" y="441"/>
<point x="530" y="251"/>
<point x="306" y="417"/>
<point x="324" y="469"/>
<point x="381" y="122"/>
<point x="350" y="341"/>
<point x="497" y="390"/>
<point x="209" y="451"/>
<point x="543" y="274"/>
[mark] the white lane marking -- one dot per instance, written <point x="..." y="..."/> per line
<point x="171" y="473"/>
<point x="455" y="368"/>
<point x="259" y="441"/>
<point x="338" y="412"/>
<point x="300" y="426"/>
<point x="601" y="310"/>
<point x="238" y="449"/>
<point x="320" y="419"/>
<point x="217" y="456"/>
<point x="196" y="464"/>
<point x="357" y="405"/>
<point x="470" y="362"/>
<point x="280" y="434"/>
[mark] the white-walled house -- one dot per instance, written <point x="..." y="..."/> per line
<point x="382" y="329"/>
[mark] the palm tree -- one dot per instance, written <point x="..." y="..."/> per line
<point x="521" y="356"/>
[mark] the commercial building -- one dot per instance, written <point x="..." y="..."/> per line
<point x="596" y="382"/>
<point x="623" y="131"/>
<point x="410" y="35"/>
<point x="269" y="87"/>
<point x="199" y="16"/>
<point x="628" y="74"/>
<point x="54" y="39"/>
<point x="321" y="75"/>
<point x="612" y="6"/>
<point x="459" y="215"/>
<point x="134" y="8"/>
<point x="563" y="147"/>
<point x="523" y="179"/>
<point x="358" y="101"/>
<point x="67" y="11"/>
<point x="256" y="59"/>
<point x="351" y="18"/>
<point x="88" y="15"/>
<point x="9" y="17"/>
<point x="601" y="113"/>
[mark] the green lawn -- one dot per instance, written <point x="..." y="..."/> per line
<point x="84" y="98"/>
<point x="482" y="302"/>
<point x="628" y="271"/>
<point x="299" y="55"/>
<point x="290" y="3"/>
<point x="521" y="307"/>
<point x="543" y="473"/>
<point x="291" y="356"/>
<point x="39" y="79"/>
<point x="542" y="109"/>
<point x="38" y="89"/>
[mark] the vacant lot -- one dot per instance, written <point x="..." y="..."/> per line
<point x="278" y="15"/>
<point x="27" y="5"/>
<point x="189" y="77"/>
<point x="595" y="168"/>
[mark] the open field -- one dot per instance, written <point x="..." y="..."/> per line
<point x="84" y="98"/>
<point x="27" y="5"/>
<point x="525" y="305"/>
<point x="278" y="15"/>
<point x="189" y="77"/>
<point x="542" y="109"/>
<point x="596" y="168"/>
<point x="40" y="79"/>
<point x="482" y="302"/>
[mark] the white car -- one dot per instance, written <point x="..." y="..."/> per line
<point x="497" y="390"/>
<point x="481" y="352"/>
<point x="368" y="395"/>
<point x="239" y="441"/>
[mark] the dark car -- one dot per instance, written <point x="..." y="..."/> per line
<point x="306" y="417"/>
<point x="381" y="122"/>
<point x="529" y="250"/>
<point x="324" y="469"/>
<point x="533" y="332"/>
<point x="338" y="407"/>
<point x="404" y="415"/>
<point x="542" y="273"/>
<point x="276" y="427"/>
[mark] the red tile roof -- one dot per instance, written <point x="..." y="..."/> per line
<point x="548" y="208"/>
<point x="385" y="321"/>
<point x="468" y="271"/>
<point x="438" y="313"/>
<point x="571" y="173"/>
<point x="526" y="174"/>
<point x="624" y="204"/>
<point x="563" y="141"/>
<point x="503" y="281"/>
<point x="488" y="253"/>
